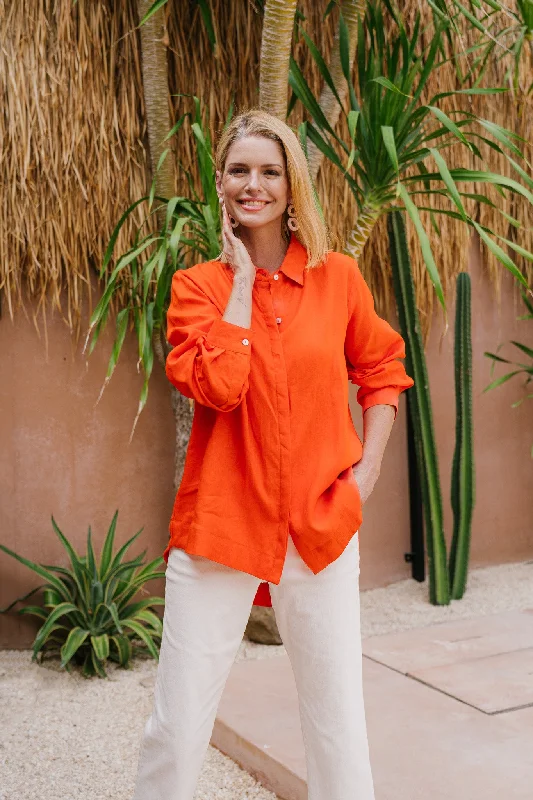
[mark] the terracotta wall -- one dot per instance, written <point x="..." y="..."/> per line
<point x="62" y="455"/>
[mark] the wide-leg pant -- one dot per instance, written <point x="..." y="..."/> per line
<point x="206" y="611"/>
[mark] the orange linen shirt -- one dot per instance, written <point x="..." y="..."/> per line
<point x="273" y="444"/>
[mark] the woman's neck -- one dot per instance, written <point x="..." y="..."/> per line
<point x="266" y="246"/>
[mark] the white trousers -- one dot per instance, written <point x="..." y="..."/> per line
<point x="206" y="611"/>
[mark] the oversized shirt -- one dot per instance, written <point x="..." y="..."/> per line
<point x="273" y="443"/>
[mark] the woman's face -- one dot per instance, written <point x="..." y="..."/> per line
<point x="254" y="171"/>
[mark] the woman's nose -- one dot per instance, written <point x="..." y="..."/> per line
<point x="253" y="179"/>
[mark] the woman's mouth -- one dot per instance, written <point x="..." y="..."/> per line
<point x="252" y="205"/>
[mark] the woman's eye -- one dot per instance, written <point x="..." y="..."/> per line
<point x="236" y="170"/>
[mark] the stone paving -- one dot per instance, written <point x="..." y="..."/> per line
<point x="449" y="711"/>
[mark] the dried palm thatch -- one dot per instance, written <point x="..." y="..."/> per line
<point x="74" y="137"/>
<point x="511" y="110"/>
<point x="73" y="157"/>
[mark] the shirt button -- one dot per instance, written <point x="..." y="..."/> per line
<point x="278" y="320"/>
<point x="276" y="277"/>
<point x="245" y="341"/>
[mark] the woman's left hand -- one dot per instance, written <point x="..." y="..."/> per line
<point x="366" y="475"/>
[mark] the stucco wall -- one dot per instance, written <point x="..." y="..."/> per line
<point x="63" y="455"/>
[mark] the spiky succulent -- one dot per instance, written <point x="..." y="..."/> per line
<point x="87" y="613"/>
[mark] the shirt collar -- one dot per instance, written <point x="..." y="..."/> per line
<point x="295" y="260"/>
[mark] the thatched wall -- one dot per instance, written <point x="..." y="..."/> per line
<point x="73" y="129"/>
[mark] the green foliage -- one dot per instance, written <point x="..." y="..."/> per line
<point x="87" y="614"/>
<point x="192" y="224"/>
<point x="463" y="482"/>
<point x="520" y="367"/>
<point x="394" y="156"/>
<point x="447" y="580"/>
<point x="419" y="408"/>
<point x="506" y="32"/>
<point x="205" y="11"/>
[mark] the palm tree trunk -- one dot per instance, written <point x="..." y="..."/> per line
<point x="364" y="225"/>
<point x="183" y="409"/>
<point x="278" y="24"/>
<point x="351" y="11"/>
<point x="154" y="41"/>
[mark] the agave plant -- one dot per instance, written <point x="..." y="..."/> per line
<point x="87" y="614"/>
<point x="394" y="156"/>
<point x="191" y="224"/>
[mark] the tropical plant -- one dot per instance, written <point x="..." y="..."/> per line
<point x="190" y="224"/>
<point x="520" y="367"/>
<point x="420" y="411"/>
<point x="507" y="30"/>
<point x="88" y="613"/>
<point x="463" y="482"/>
<point x="395" y="138"/>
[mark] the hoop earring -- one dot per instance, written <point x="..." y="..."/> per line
<point x="292" y="222"/>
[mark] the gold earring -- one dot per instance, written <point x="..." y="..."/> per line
<point x="292" y="222"/>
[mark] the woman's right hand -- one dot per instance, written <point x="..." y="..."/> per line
<point x="234" y="251"/>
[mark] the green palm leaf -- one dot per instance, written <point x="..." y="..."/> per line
<point x="75" y="639"/>
<point x="40" y="570"/>
<point x="60" y="611"/>
<point x="123" y="648"/>
<point x="142" y="634"/>
<point x="100" y="645"/>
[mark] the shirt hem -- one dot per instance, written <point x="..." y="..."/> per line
<point x="217" y="548"/>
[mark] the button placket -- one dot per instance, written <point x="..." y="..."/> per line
<point x="280" y="377"/>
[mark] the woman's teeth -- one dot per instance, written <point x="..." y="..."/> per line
<point x="252" y="205"/>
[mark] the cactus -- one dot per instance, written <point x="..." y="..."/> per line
<point x="463" y="486"/>
<point x="419" y="407"/>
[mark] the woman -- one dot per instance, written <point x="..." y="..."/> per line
<point x="265" y="339"/>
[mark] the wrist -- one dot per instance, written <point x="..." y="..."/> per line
<point x="242" y="279"/>
<point x="371" y="463"/>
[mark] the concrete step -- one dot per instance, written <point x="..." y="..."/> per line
<point x="423" y="742"/>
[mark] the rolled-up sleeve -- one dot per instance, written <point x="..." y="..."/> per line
<point x="210" y="358"/>
<point x="372" y="349"/>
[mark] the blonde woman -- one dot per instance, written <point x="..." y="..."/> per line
<point x="265" y="339"/>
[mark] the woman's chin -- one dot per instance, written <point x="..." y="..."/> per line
<point x="256" y="224"/>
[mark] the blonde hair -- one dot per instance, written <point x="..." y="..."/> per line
<point x="312" y="230"/>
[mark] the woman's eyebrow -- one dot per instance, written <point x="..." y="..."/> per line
<point x="244" y="164"/>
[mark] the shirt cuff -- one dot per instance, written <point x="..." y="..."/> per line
<point x="230" y="337"/>
<point x="386" y="397"/>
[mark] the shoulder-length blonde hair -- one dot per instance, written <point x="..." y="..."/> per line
<point x="312" y="230"/>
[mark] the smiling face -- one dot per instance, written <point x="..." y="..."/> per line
<point x="254" y="183"/>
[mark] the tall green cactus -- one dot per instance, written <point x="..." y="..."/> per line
<point x="463" y="487"/>
<point x="420" y="410"/>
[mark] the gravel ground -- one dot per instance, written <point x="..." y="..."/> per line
<point x="63" y="737"/>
